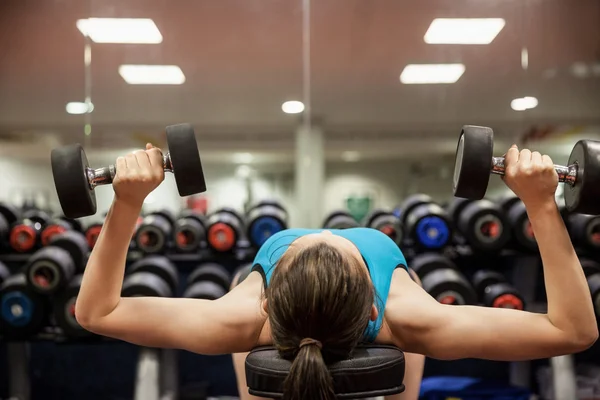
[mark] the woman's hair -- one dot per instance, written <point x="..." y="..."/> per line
<point x="319" y="304"/>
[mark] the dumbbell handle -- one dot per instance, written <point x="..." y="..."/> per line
<point x="105" y="175"/>
<point x="565" y="174"/>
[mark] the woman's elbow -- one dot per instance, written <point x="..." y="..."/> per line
<point x="586" y="339"/>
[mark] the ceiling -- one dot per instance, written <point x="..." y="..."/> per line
<point x="243" y="58"/>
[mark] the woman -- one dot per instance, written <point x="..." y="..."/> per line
<point x="326" y="294"/>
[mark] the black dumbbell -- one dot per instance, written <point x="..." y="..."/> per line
<point x="425" y="222"/>
<point x="494" y="290"/>
<point x="385" y="222"/>
<point x="190" y="231"/>
<point x="63" y="309"/>
<point x="50" y="269"/>
<point x="8" y="216"/>
<point x="265" y="219"/>
<point x="475" y="161"/>
<point x="482" y="223"/>
<point x="340" y="219"/>
<point x="25" y="233"/>
<point x="209" y="281"/>
<point x="584" y="231"/>
<point x="58" y="225"/>
<point x="92" y="231"/>
<point x="442" y="280"/>
<point x="155" y="232"/>
<point x="225" y="228"/>
<point x="518" y="220"/>
<point x="75" y="181"/>
<point x="23" y="312"/>
<point x="161" y="268"/>
<point x="591" y="270"/>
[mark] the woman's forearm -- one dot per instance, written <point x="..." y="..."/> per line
<point x="103" y="277"/>
<point x="569" y="301"/>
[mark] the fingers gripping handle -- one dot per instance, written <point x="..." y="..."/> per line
<point x="106" y="175"/>
<point x="565" y="174"/>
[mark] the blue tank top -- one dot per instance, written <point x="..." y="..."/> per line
<point x="379" y="252"/>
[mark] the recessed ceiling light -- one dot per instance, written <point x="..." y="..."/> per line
<point x="243" y="158"/>
<point x="524" y="103"/>
<point x="78" y="107"/>
<point x="152" y="74"/>
<point x="292" y="107"/>
<point x="431" y="73"/>
<point x="120" y="30"/>
<point x="463" y="30"/>
<point x="351" y="156"/>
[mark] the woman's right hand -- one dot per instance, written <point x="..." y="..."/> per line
<point x="138" y="174"/>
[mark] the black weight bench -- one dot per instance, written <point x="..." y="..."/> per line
<point x="371" y="371"/>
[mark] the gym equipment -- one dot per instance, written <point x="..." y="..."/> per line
<point x="92" y="231"/>
<point x="75" y="181"/>
<point x="474" y="163"/>
<point x="63" y="309"/>
<point x="592" y="273"/>
<point x="58" y="225"/>
<point x="339" y="219"/>
<point x="584" y="231"/>
<point x="265" y="219"/>
<point x="209" y="281"/>
<point x="155" y="232"/>
<point x="4" y="273"/>
<point x="482" y="223"/>
<point x="425" y="222"/>
<point x="369" y="372"/>
<point x="159" y="266"/>
<point x="442" y="280"/>
<point x="24" y="235"/>
<point x="494" y="290"/>
<point x="23" y="312"/>
<point x="518" y="220"/>
<point x="385" y="222"/>
<point x="8" y="216"/>
<point x="225" y="228"/>
<point x="190" y="231"/>
<point x="240" y="274"/>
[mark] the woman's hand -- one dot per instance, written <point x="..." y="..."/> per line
<point x="138" y="174"/>
<point x="531" y="176"/>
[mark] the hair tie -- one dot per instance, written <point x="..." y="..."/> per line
<point x="309" y="341"/>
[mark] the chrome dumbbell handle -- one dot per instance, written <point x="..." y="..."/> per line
<point x="105" y="175"/>
<point x="565" y="174"/>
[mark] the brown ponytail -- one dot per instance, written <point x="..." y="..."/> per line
<point x="309" y="366"/>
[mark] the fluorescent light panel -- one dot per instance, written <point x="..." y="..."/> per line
<point x="431" y="73"/>
<point x="292" y="107"/>
<point x="524" y="103"/>
<point x="463" y="30"/>
<point x="120" y="30"/>
<point x="78" y="107"/>
<point x="152" y="74"/>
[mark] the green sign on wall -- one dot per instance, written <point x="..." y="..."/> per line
<point x="359" y="206"/>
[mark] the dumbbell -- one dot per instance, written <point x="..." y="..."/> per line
<point x="494" y="290"/>
<point x="190" y="231"/>
<point x="425" y="222"/>
<point x="442" y="280"/>
<point x="340" y="219"/>
<point x="584" y="231"/>
<point x="8" y="216"/>
<point x="208" y="281"/>
<point x="92" y="231"/>
<point x="50" y="269"/>
<point x="265" y="219"/>
<point x="25" y="234"/>
<point x="518" y="220"/>
<point x="474" y="163"/>
<point x="63" y="309"/>
<point x="75" y="181"/>
<point x="155" y="232"/>
<point x="591" y="269"/>
<point x="385" y="222"/>
<point x="482" y="223"/>
<point x="225" y="228"/>
<point x="154" y="276"/>
<point x="59" y="225"/>
<point x="23" y="312"/>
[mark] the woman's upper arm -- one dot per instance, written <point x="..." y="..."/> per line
<point x="227" y="325"/>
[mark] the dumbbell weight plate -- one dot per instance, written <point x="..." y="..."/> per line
<point x="428" y="225"/>
<point x="371" y="216"/>
<point x="456" y="207"/>
<point x="10" y="213"/>
<point x="503" y="295"/>
<point x="185" y="159"/>
<point x="147" y="284"/>
<point x="92" y="232"/>
<point x="473" y="162"/>
<point x="268" y="203"/>
<point x="4" y="273"/>
<point x="49" y="270"/>
<point x="522" y="229"/>
<point x="64" y="310"/>
<point x="225" y="228"/>
<point x="154" y="232"/>
<point x="205" y="290"/>
<point x="448" y="286"/>
<point x="340" y="220"/>
<point x="410" y="203"/>
<point x="484" y="226"/>
<point x="594" y="285"/>
<point x="210" y="272"/>
<point x="190" y="231"/>
<point x="76" y="244"/>
<point x="389" y="224"/>
<point x="582" y="197"/>
<point x="263" y="222"/>
<point x="160" y="266"/>
<point x="22" y="311"/>
<point x="426" y="263"/>
<point x="585" y="230"/>
<point x="485" y="278"/>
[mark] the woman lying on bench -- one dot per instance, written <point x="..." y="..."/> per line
<point x="316" y="294"/>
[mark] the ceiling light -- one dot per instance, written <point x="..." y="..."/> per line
<point x="78" y="107"/>
<point x="524" y="103"/>
<point x="431" y="73"/>
<point x="152" y="74"/>
<point x="243" y="158"/>
<point x="463" y="30"/>
<point x="580" y="70"/>
<point x="292" y="107"/>
<point x="120" y="30"/>
<point x="351" y="156"/>
<point x="243" y="171"/>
